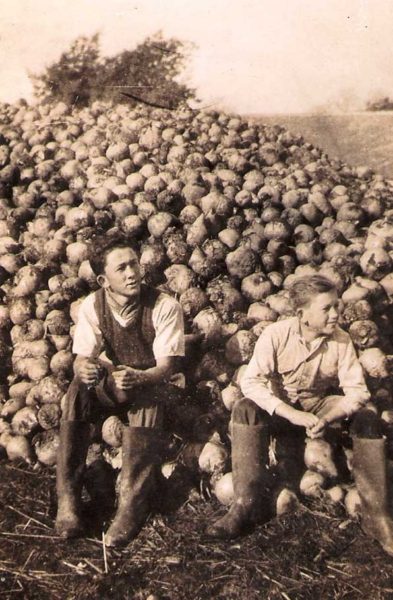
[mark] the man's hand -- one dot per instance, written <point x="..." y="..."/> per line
<point x="127" y="378"/>
<point x="124" y="378"/>
<point x="317" y="430"/>
<point x="88" y="371"/>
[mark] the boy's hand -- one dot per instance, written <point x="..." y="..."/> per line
<point x="304" y="419"/>
<point x="126" y="378"/>
<point x="345" y="407"/>
<point x="297" y="417"/>
<point x="88" y="371"/>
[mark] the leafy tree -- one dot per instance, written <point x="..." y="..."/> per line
<point x="72" y="78"/>
<point x="148" y="73"/>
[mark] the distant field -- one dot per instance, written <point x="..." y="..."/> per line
<point x="358" y="139"/>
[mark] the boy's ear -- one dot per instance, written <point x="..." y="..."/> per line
<point x="102" y="281"/>
<point x="300" y="316"/>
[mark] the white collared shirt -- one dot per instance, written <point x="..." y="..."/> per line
<point x="284" y="368"/>
<point x="167" y="318"/>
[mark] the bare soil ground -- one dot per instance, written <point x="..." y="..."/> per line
<point x="314" y="554"/>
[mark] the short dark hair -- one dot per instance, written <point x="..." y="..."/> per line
<point x="102" y="245"/>
<point x="303" y="289"/>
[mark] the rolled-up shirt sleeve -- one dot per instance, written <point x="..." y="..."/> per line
<point x="256" y="382"/>
<point x="350" y="374"/>
<point x="87" y="336"/>
<point x="168" y="323"/>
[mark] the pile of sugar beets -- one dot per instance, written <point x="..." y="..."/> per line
<point x="226" y="212"/>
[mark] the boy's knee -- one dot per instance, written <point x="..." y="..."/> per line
<point x="247" y="412"/>
<point x="367" y="424"/>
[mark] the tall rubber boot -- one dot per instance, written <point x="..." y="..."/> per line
<point x="99" y="481"/>
<point x="290" y="461"/>
<point x="370" y="470"/>
<point x="71" y="458"/>
<point x="288" y="473"/>
<point x="250" y="445"/>
<point x="141" y="452"/>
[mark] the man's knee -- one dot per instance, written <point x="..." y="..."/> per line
<point x="247" y="412"/>
<point x="75" y="405"/>
<point x="151" y="417"/>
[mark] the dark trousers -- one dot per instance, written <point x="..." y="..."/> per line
<point x="146" y="406"/>
<point x="289" y="440"/>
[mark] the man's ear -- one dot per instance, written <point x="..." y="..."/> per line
<point x="102" y="281"/>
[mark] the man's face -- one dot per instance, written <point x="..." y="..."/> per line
<point x="321" y="314"/>
<point x="122" y="273"/>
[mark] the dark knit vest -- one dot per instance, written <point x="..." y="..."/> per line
<point x="131" y="345"/>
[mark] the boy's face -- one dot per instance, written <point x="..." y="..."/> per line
<point x="121" y="273"/>
<point x="321" y="314"/>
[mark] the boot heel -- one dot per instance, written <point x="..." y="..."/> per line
<point x="74" y="441"/>
<point x="250" y="445"/>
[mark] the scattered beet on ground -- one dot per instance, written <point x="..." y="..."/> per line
<point x="315" y="553"/>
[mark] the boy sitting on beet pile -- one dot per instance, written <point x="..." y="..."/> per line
<point x="127" y="340"/>
<point x="287" y="386"/>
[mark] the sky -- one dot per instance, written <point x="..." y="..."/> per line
<point x="250" y="56"/>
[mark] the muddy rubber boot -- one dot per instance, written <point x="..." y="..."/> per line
<point x="250" y="444"/>
<point x="370" y="470"/>
<point x="141" y="454"/>
<point x="99" y="481"/>
<point x="288" y="472"/>
<point x="71" y="458"/>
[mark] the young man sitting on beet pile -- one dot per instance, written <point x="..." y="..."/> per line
<point x="127" y="342"/>
<point x="295" y="365"/>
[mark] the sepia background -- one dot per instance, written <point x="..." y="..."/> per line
<point x="241" y="209"/>
<point x="250" y="56"/>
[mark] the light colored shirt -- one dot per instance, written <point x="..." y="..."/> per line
<point x="284" y="368"/>
<point x="167" y="318"/>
